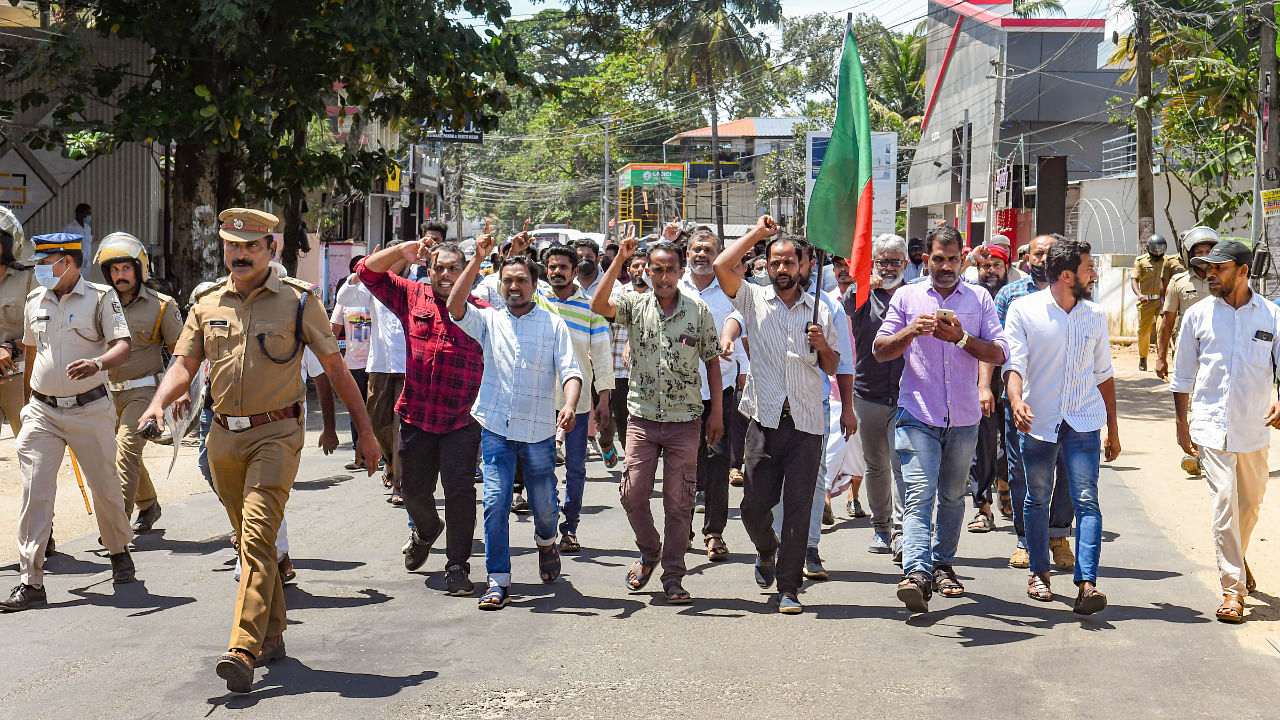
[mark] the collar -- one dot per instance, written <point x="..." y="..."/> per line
<point x="1257" y="301"/>
<point x="577" y="293"/>
<point x="272" y="284"/>
<point x="687" y="279"/>
<point x="770" y="295"/>
<point x="961" y="287"/>
<point x="79" y="287"/>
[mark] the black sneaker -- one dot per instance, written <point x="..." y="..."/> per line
<point x="23" y="597"/>
<point x="700" y="502"/>
<point x="813" y="565"/>
<point x="417" y="549"/>
<point x="457" y="580"/>
<point x="146" y="519"/>
<point x="1142" y="364"/>
<point x="766" y="573"/>
<point x="122" y="568"/>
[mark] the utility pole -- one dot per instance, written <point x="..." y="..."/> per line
<point x="964" y="175"/>
<point x="996" y="123"/>
<point x="457" y="194"/>
<point x="1268" y="152"/>
<point x="1146" y="183"/>
<point x="604" y="189"/>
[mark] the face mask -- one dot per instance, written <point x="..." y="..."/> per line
<point x="87" y="219"/>
<point x="45" y="276"/>
<point x="1039" y="273"/>
<point x="587" y="267"/>
<point x="604" y="264"/>
<point x="761" y="277"/>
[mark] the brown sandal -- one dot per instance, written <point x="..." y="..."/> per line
<point x="716" y="549"/>
<point x="1038" y="589"/>
<point x="1232" y="609"/>
<point x="1006" y="498"/>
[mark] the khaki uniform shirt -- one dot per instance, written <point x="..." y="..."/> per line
<point x="665" y="354"/>
<point x="148" y="333"/>
<point x="15" y="285"/>
<point x="1153" y="273"/>
<point x="80" y="326"/>
<point x="1185" y="289"/>
<point x="225" y="328"/>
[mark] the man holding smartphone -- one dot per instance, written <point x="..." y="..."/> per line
<point x="942" y="329"/>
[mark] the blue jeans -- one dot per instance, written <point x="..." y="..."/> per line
<point x="202" y="459"/>
<point x="1080" y="454"/>
<point x="575" y="474"/>
<point x="539" y="463"/>
<point x="1059" y="507"/>
<point x="935" y="472"/>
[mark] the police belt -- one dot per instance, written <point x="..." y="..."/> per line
<point x="241" y="423"/>
<point x="83" y="398"/>
<point x="148" y="381"/>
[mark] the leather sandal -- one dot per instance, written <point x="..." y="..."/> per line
<point x="716" y="548"/>
<point x="1038" y="588"/>
<point x="639" y="573"/>
<point x="1231" y="610"/>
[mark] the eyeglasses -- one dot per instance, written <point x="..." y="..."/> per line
<point x="891" y="264"/>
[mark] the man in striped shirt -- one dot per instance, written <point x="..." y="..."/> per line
<point x="594" y="352"/>
<point x="1062" y="393"/>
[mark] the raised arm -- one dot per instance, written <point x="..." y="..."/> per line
<point x="765" y="228"/>
<point x="462" y="286"/>
<point x="602" y="302"/>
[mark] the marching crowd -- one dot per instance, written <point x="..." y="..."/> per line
<point x="956" y="375"/>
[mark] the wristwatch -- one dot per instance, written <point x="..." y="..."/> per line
<point x="964" y="339"/>
<point x="98" y="362"/>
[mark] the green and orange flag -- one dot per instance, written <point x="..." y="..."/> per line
<point x="839" y="216"/>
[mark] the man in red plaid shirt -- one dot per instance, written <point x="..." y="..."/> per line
<point x="438" y="436"/>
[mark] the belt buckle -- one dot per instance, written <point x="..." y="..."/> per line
<point x="66" y="402"/>
<point x="238" y="423"/>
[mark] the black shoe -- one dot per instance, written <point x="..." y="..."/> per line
<point x="122" y="568"/>
<point x="700" y="502"/>
<point x="24" y="597"/>
<point x="457" y="580"/>
<point x="1142" y="364"/>
<point x="146" y="519"/>
<point x="416" y="551"/>
<point x="766" y="573"/>
<point x="813" y="565"/>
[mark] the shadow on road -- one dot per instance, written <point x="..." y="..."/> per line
<point x="296" y="598"/>
<point x="155" y="540"/>
<point x="132" y="596"/>
<point x="288" y="676"/>
<point x="562" y="598"/>
<point x="320" y="483"/>
<point x="325" y="565"/>
<point x="64" y="564"/>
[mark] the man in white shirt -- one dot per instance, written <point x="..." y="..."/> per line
<point x="80" y="226"/>
<point x="1062" y="393"/>
<point x="1227" y="356"/>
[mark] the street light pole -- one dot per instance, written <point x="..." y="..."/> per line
<point x="604" y="189"/>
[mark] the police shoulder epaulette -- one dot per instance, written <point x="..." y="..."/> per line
<point x="303" y="285"/>
<point x="199" y="295"/>
<point x="164" y="299"/>
<point x="34" y="291"/>
<point x="99" y="287"/>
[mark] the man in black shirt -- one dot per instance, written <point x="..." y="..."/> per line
<point x="875" y="397"/>
<point x="989" y="464"/>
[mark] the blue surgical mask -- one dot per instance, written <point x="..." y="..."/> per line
<point x="87" y="219"/>
<point x="45" y="276"/>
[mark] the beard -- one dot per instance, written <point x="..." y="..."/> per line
<point x="890" y="281"/>
<point x="1082" y="291"/>
<point x="945" y="279"/>
<point x="782" y="281"/>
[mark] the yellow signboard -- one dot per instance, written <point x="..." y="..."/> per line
<point x="393" y="179"/>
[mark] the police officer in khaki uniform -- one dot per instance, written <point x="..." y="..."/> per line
<point x="75" y="332"/>
<point x="154" y="322"/>
<point x="1185" y="289"/>
<point x="252" y="329"/>
<point x="1151" y="274"/>
<point x="16" y="282"/>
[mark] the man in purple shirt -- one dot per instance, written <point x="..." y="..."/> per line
<point x="942" y="328"/>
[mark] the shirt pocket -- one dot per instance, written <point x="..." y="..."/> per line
<point x="11" y="312"/>
<point x="970" y="322"/>
<point x="87" y="328"/>
<point x="40" y="328"/>
<point x="217" y="340"/>
<point x="275" y="340"/>
<point x="1259" y="352"/>
<point x="424" y="324"/>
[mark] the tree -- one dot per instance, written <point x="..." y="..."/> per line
<point x="233" y="86"/>
<point x="898" y="82"/>
<point x="1033" y="8"/>
<point x="701" y="44"/>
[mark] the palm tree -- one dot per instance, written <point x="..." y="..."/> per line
<point x="1032" y="8"/>
<point x="898" y="85"/>
<point x="703" y="42"/>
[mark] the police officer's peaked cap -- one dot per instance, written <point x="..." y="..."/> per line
<point x="245" y="224"/>
<point x="58" y="242"/>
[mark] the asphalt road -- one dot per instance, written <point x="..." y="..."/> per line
<point x="367" y="639"/>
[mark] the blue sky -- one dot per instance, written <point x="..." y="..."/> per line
<point x="890" y="12"/>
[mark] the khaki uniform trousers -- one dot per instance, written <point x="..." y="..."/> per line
<point x="252" y="472"/>
<point x="1148" y="311"/>
<point x="41" y="447"/>
<point x="384" y="392"/>
<point x="135" y="481"/>
<point x="1237" y="482"/>
<point x="11" y="402"/>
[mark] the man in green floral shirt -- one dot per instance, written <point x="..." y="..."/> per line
<point x="670" y="333"/>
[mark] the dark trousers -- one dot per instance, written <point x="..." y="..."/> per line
<point x="989" y="462"/>
<point x="452" y="457"/>
<point x="362" y="381"/>
<point x="780" y="464"/>
<point x="713" y="470"/>
<point x="735" y="426"/>
<point x="618" y="406"/>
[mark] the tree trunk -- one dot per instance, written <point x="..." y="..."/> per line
<point x="197" y="251"/>
<point x="293" y="210"/>
<point x="716" y="184"/>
